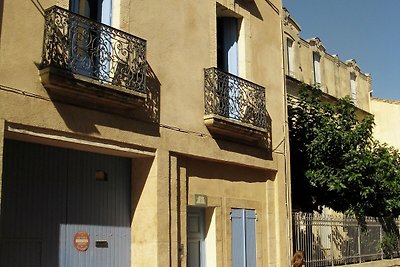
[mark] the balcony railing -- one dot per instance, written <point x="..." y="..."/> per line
<point x="85" y="47"/>
<point x="234" y="98"/>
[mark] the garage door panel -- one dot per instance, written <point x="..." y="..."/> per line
<point x="49" y="194"/>
<point x="25" y="253"/>
<point x="33" y="203"/>
<point x="103" y="210"/>
<point x="103" y="202"/>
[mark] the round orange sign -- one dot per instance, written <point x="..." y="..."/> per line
<point x="81" y="241"/>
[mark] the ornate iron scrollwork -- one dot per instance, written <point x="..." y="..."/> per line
<point x="234" y="98"/>
<point x="86" y="47"/>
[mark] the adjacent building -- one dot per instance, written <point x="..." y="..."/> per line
<point x="328" y="237"/>
<point x="307" y="61"/>
<point x="147" y="133"/>
<point x="386" y="113"/>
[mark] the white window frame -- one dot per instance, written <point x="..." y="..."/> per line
<point x="353" y="87"/>
<point x="317" y="67"/>
<point x="290" y="57"/>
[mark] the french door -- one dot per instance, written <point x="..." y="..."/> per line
<point x="91" y="45"/>
<point x="227" y="60"/>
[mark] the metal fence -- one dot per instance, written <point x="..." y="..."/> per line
<point x="331" y="240"/>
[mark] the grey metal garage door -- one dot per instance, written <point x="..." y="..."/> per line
<point x="63" y="207"/>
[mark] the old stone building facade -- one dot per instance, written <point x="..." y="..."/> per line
<point x="143" y="133"/>
<point x="307" y="61"/>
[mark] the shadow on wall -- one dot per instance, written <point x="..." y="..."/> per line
<point x="87" y="89"/>
<point x="142" y="168"/>
<point x="218" y="170"/>
<point x="261" y="149"/>
<point x="250" y="6"/>
<point x="82" y="116"/>
<point x="38" y="6"/>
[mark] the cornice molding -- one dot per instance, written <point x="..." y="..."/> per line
<point x="288" y="21"/>
<point x="317" y="43"/>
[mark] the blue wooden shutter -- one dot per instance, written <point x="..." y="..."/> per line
<point x="238" y="233"/>
<point x="243" y="238"/>
<point x="250" y="238"/>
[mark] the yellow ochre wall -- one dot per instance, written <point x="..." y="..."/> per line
<point x="175" y="157"/>
<point x="386" y="115"/>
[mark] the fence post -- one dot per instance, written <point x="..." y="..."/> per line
<point x="296" y="231"/>
<point x="380" y="240"/>
<point x="359" y="243"/>
<point x="332" y="250"/>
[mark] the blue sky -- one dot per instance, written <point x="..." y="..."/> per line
<point x="366" y="30"/>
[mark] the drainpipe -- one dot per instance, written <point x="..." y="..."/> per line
<point x="286" y="150"/>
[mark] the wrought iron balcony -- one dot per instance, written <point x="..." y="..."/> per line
<point x="85" y="48"/>
<point x="236" y="101"/>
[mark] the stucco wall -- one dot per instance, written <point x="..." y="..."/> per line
<point x="181" y="42"/>
<point x="387" y="126"/>
<point x="177" y="64"/>
<point x="226" y="188"/>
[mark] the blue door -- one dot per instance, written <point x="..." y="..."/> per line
<point x="243" y="238"/>
<point x="51" y="195"/>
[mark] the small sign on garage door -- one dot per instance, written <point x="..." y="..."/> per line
<point x="81" y="241"/>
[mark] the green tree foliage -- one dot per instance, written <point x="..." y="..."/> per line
<point x="336" y="162"/>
